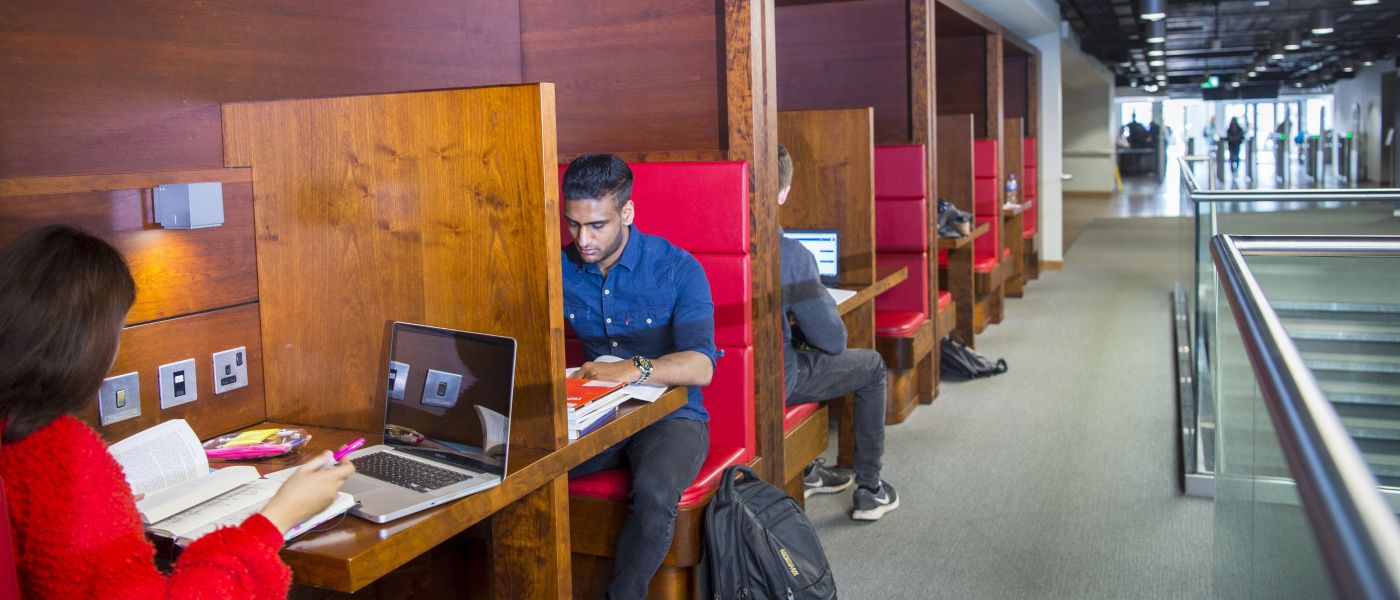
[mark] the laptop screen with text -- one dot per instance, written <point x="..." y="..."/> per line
<point x="825" y="246"/>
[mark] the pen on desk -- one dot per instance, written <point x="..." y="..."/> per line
<point x="348" y="448"/>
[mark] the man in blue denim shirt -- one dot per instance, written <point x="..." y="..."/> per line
<point x="639" y="298"/>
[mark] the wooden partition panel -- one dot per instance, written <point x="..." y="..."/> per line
<point x="434" y="207"/>
<point x="633" y="76"/>
<point x="833" y="183"/>
<point x="962" y="79"/>
<point x="209" y="273"/>
<point x="1015" y="78"/>
<point x="955" y="177"/>
<point x="129" y="86"/>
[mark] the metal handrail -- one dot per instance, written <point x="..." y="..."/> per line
<point x="1356" y="531"/>
<point x="1282" y="195"/>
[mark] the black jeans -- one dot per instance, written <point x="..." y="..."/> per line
<point x="663" y="459"/>
<point x="823" y="377"/>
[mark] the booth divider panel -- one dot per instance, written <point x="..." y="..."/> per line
<point x="436" y="207"/>
<point x="833" y="184"/>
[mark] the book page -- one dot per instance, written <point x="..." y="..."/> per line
<point x="158" y="506"/>
<point x="643" y="392"/>
<point x="229" y="508"/>
<point x="160" y="457"/>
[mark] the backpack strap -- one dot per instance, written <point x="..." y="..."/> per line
<point x="9" y="570"/>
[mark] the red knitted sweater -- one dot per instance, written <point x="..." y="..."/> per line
<point x="77" y="533"/>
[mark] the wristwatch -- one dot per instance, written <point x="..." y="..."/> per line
<point x="644" y="365"/>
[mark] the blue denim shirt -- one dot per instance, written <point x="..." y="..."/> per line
<point x="654" y="301"/>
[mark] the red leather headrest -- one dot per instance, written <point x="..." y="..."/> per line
<point x="700" y="206"/>
<point x="985" y="161"/>
<point x="900" y="172"/>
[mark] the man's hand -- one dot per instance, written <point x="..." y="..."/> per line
<point x="622" y="370"/>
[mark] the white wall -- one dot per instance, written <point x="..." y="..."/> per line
<point x="1365" y="90"/>
<point x="1089" y="123"/>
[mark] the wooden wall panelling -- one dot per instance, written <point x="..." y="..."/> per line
<point x="144" y="348"/>
<point x="833" y="184"/>
<point x="128" y="86"/>
<point x="1014" y="78"/>
<point x="631" y="76"/>
<point x="177" y="272"/>
<point x="751" y="127"/>
<point x="961" y="67"/>
<point x="848" y="54"/>
<point x="955" y="182"/>
<point x="1011" y="228"/>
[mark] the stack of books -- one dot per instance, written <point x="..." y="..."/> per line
<point x="592" y="403"/>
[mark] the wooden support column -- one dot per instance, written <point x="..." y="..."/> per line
<point x="530" y="545"/>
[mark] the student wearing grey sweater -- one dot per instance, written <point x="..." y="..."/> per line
<point x="818" y="366"/>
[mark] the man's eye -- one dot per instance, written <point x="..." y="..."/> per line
<point x="597" y="226"/>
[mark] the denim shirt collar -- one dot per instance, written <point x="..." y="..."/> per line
<point x="631" y="254"/>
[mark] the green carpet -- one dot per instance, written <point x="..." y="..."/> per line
<point x="1057" y="479"/>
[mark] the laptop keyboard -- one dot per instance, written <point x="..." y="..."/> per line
<point x="404" y="472"/>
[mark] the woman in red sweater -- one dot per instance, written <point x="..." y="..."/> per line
<point x="73" y="519"/>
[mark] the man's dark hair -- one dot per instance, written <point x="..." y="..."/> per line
<point x="598" y="177"/>
<point x="784" y="168"/>
<point x="64" y="297"/>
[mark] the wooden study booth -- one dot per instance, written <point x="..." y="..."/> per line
<point x="968" y="66"/>
<point x="878" y="53"/>
<point x="1020" y="76"/>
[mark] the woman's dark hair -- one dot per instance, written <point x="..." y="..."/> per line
<point x="63" y="296"/>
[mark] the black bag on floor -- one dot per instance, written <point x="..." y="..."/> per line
<point x="960" y="363"/>
<point x="759" y="544"/>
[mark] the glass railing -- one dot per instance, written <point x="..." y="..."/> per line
<point x="1210" y="207"/>
<point x="1306" y="357"/>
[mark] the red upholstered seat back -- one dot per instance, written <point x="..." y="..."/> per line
<point x="1028" y="187"/>
<point x="901" y="225"/>
<point x="986" y="207"/>
<point x="703" y="207"/>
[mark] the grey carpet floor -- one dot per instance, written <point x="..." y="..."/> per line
<point x="1055" y="480"/>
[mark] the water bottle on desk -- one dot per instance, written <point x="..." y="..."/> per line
<point x="1011" y="193"/>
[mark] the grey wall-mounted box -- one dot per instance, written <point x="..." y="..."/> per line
<point x="189" y="205"/>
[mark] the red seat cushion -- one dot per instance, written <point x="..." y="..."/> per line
<point x="945" y="299"/>
<point x="910" y="295"/>
<point x="614" y="484"/>
<point x="900" y="172"/>
<point x="901" y="224"/>
<point x="984" y="264"/>
<point x="985" y="160"/>
<point x="898" y="323"/>
<point x="797" y="412"/>
<point x="1028" y="152"/>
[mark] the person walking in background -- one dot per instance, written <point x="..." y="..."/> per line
<point x="1234" y="136"/>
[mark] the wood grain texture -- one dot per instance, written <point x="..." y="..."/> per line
<point x="751" y="116"/>
<point x="631" y="76"/>
<point x="804" y="442"/>
<point x="177" y="272"/>
<point x="361" y="224"/>
<point x="833" y="183"/>
<point x="145" y="347"/>
<point x="74" y="184"/>
<point x="129" y="86"/>
<point x="356" y="552"/>
<point x="530" y="544"/>
<point x="962" y="78"/>
<point x="849" y="54"/>
<point x="955" y="177"/>
<point x="1016" y="83"/>
<point x="1011" y="229"/>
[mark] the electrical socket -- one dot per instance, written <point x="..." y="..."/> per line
<point x="441" y="389"/>
<point x="119" y="398"/>
<point x="178" y="384"/>
<point x="230" y="369"/>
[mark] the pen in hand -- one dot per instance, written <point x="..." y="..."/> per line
<point x="346" y="450"/>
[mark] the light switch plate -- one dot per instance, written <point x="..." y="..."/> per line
<point x="178" y="384"/>
<point x="119" y="398"/>
<point x="398" y="380"/>
<point x="441" y="389"/>
<point x="230" y="369"/>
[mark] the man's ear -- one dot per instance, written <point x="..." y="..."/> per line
<point x="629" y="211"/>
<point x="783" y="194"/>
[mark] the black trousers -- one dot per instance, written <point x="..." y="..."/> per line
<point x="663" y="459"/>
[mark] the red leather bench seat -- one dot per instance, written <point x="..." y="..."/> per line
<point x="703" y="208"/>
<point x="795" y="413"/>
<point x="901" y="237"/>
<point x="986" y="207"/>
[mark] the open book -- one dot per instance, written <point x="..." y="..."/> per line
<point x="183" y="497"/>
<point x="643" y="391"/>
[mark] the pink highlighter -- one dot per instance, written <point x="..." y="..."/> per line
<point x="348" y="448"/>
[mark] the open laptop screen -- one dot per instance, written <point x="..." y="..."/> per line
<point x="825" y="245"/>
<point x="449" y="395"/>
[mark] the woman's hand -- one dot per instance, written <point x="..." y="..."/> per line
<point x="307" y="492"/>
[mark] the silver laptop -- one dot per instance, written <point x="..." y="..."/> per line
<point x="446" y="422"/>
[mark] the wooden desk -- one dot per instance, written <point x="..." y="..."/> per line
<point x="885" y="278"/>
<point x="960" y="282"/>
<point x="357" y="552"/>
<point x="1011" y="233"/>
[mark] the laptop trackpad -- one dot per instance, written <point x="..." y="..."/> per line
<point x="356" y="486"/>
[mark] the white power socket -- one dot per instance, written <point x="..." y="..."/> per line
<point x="230" y="369"/>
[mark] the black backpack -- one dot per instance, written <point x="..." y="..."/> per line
<point x="760" y="545"/>
<point x="960" y="363"/>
